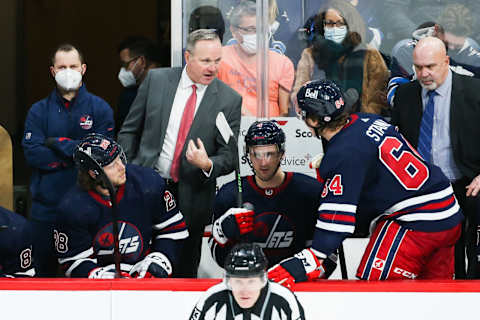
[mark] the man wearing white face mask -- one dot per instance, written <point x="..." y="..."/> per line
<point x="137" y="55"/>
<point x="239" y="68"/>
<point x="53" y="128"/>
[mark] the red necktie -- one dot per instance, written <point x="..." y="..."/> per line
<point x="187" y="119"/>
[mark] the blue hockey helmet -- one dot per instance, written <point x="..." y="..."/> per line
<point x="246" y="260"/>
<point x="97" y="151"/>
<point x="325" y="99"/>
<point x="264" y="133"/>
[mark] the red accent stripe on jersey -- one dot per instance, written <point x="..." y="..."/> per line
<point x="431" y="206"/>
<point x="275" y="191"/>
<point x="97" y="197"/>
<point x="337" y="217"/>
<point x="352" y="119"/>
<point x="182" y="225"/>
<point x="64" y="139"/>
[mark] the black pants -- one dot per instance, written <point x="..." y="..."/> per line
<point x="466" y="245"/>
<point x="189" y="256"/>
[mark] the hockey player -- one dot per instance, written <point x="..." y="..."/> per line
<point x="285" y="203"/>
<point x="246" y="293"/>
<point x="16" y="259"/>
<point x="372" y="176"/>
<point x="151" y="228"/>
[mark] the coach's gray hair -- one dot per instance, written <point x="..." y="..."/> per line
<point x="198" y="35"/>
<point x="244" y="9"/>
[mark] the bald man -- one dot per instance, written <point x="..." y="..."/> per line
<point x="453" y="101"/>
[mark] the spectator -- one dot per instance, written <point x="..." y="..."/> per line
<point x="16" y="259"/>
<point x="446" y="133"/>
<point x="400" y="17"/>
<point x="341" y="53"/>
<point x="285" y="203"/>
<point x="155" y="134"/>
<point x="137" y="55"/>
<point x="246" y="293"/>
<point x="239" y="65"/>
<point x="402" y="70"/>
<point x="152" y="229"/>
<point x="53" y="128"/>
<point x="380" y="182"/>
<point x="207" y="17"/>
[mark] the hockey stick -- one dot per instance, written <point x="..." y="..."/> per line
<point x="343" y="264"/>
<point x="226" y="132"/>
<point x="102" y="177"/>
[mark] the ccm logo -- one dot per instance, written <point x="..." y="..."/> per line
<point x="404" y="273"/>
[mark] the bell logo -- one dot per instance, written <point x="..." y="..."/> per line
<point x="310" y="93"/>
<point x="379" y="263"/>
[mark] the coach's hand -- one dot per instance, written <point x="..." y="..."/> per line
<point x="197" y="155"/>
<point x="232" y="225"/>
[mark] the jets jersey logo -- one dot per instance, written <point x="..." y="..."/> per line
<point x="130" y="242"/>
<point x="274" y="232"/>
<point x="86" y="122"/>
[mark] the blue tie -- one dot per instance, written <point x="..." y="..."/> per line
<point x="426" y="128"/>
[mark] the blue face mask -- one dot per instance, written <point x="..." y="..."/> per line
<point x="336" y="34"/>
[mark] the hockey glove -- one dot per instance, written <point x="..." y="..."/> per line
<point x="232" y="224"/>
<point x="154" y="265"/>
<point x="303" y="266"/>
<point x="316" y="161"/>
<point x="108" y="272"/>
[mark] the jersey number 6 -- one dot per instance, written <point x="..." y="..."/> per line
<point x="406" y="168"/>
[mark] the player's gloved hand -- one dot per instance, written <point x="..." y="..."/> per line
<point x="303" y="266"/>
<point x="154" y="265"/>
<point x="108" y="272"/>
<point x="316" y="161"/>
<point x="233" y="224"/>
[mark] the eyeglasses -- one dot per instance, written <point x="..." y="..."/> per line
<point x="331" y="24"/>
<point x="125" y="64"/>
<point x="249" y="30"/>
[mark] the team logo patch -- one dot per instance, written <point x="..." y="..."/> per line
<point x="28" y="135"/>
<point x="379" y="264"/>
<point x="274" y="232"/>
<point x="130" y="243"/>
<point x="86" y="122"/>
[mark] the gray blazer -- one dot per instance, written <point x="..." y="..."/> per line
<point x="143" y="133"/>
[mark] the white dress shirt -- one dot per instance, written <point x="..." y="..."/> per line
<point x="184" y="90"/>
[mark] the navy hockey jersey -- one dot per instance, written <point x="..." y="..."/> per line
<point x="148" y="220"/>
<point x="16" y="257"/>
<point x="371" y="172"/>
<point x="284" y="216"/>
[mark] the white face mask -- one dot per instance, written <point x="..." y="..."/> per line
<point x="249" y="44"/>
<point x="126" y="77"/>
<point x="68" y="79"/>
<point x="336" y="34"/>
